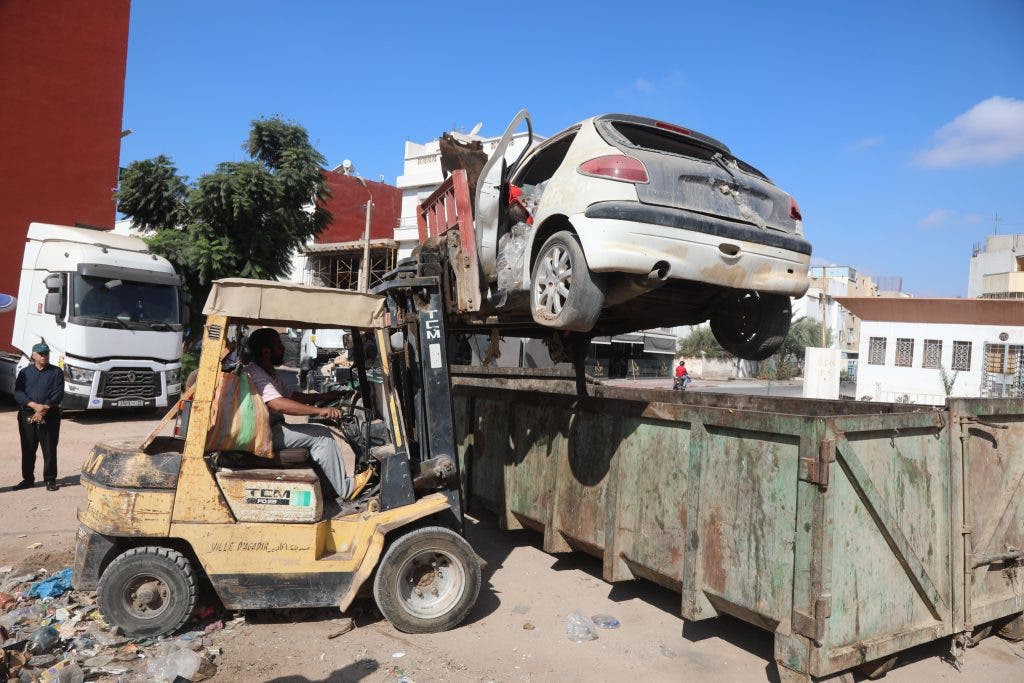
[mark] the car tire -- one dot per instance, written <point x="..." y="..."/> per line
<point x="564" y="294"/>
<point x="164" y="574"/>
<point x="428" y="581"/>
<point x="752" y="326"/>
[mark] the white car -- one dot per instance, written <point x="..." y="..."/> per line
<point x="638" y="223"/>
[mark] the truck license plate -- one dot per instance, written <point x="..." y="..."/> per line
<point x="130" y="402"/>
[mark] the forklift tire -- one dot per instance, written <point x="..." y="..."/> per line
<point x="428" y="581"/>
<point x="147" y="591"/>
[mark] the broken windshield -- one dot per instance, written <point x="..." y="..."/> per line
<point x="148" y="305"/>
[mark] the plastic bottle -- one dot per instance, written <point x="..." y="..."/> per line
<point x="580" y="628"/>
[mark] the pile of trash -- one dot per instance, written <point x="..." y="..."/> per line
<point x="52" y="633"/>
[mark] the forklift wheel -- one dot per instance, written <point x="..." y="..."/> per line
<point x="147" y="591"/>
<point x="428" y="581"/>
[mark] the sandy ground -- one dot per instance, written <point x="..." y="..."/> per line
<point x="516" y="632"/>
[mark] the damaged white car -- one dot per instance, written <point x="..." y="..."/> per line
<point x="620" y="223"/>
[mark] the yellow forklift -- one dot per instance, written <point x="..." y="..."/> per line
<point x="165" y="513"/>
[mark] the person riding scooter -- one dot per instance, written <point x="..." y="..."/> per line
<point x="682" y="377"/>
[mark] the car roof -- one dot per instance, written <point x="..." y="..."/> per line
<point x="287" y="304"/>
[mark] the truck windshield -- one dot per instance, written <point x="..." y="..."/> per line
<point x="124" y="301"/>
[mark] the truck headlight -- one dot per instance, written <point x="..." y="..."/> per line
<point x="174" y="376"/>
<point x="78" y="375"/>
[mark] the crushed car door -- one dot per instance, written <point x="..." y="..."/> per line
<point x="489" y="194"/>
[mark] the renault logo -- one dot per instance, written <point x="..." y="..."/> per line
<point x="131" y="377"/>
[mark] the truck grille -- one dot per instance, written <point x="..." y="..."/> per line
<point x="129" y="383"/>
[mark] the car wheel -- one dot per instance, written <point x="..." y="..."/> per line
<point x="564" y="294"/>
<point x="752" y="326"/>
<point x="147" y="591"/>
<point x="428" y="581"/>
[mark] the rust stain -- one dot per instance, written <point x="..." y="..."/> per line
<point x="714" y="558"/>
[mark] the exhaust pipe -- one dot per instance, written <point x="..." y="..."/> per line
<point x="630" y="287"/>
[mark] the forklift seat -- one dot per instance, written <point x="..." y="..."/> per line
<point x="286" y="459"/>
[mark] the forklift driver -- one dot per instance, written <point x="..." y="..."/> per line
<point x="266" y="351"/>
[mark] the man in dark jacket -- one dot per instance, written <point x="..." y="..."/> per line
<point x="39" y="391"/>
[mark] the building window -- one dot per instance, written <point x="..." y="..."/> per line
<point x="904" y="353"/>
<point x="995" y="356"/>
<point x="962" y="356"/>
<point x="876" y="351"/>
<point x="932" y="353"/>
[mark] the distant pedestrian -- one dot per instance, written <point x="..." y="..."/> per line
<point x="39" y="391"/>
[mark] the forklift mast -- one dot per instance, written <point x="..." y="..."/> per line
<point x="417" y="350"/>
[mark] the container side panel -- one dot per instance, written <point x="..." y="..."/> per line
<point x="651" y="520"/>
<point x="538" y="439"/>
<point x="582" y="479"/>
<point x="994" y="476"/>
<point x="490" y="450"/>
<point x="890" y="539"/>
<point x="747" y="521"/>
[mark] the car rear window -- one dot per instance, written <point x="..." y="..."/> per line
<point x="659" y="140"/>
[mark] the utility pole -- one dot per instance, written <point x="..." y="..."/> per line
<point x="824" y="306"/>
<point x="364" y="271"/>
<point x="364" y="279"/>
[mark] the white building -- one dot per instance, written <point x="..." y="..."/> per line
<point x="421" y="175"/>
<point x="997" y="269"/>
<point x="906" y="344"/>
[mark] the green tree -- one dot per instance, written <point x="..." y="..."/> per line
<point x="245" y="219"/>
<point x="802" y="333"/>
<point x="700" y="342"/>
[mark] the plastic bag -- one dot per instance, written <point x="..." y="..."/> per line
<point x="58" y="584"/>
<point x="240" y="420"/>
<point x="512" y="257"/>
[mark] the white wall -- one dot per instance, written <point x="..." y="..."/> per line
<point x="923" y="385"/>
<point x="999" y="256"/>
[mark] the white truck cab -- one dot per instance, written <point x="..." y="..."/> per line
<point x="111" y="312"/>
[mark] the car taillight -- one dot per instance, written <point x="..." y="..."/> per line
<point x="616" y="167"/>
<point x="672" y="127"/>
<point x="794" y="210"/>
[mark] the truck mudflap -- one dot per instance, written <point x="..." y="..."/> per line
<point x="91" y="552"/>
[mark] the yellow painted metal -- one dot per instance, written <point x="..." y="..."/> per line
<point x="199" y="498"/>
<point x="383" y="344"/>
<point x="126" y="512"/>
<point x="338" y="545"/>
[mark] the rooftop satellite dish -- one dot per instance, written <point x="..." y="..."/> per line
<point x="347" y="166"/>
<point x="476" y="128"/>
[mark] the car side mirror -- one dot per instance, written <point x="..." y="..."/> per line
<point x="53" y="303"/>
<point x="185" y="314"/>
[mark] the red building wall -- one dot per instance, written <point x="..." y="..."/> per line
<point x="62" y="68"/>
<point x="348" y="209"/>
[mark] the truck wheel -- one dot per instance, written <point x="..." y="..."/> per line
<point x="147" y="591"/>
<point x="427" y="581"/>
<point x="751" y="325"/>
<point x="564" y="294"/>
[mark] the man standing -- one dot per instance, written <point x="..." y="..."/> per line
<point x="39" y="390"/>
<point x="266" y="351"/>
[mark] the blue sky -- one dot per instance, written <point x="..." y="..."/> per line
<point x="900" y="131"/>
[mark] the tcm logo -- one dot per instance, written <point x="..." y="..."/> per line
<point x="433" y="326"/>
<point x="261" y="496"/>
<point x="268" y="493"/>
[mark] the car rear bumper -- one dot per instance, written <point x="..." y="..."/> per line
<point x="628" y="237"/>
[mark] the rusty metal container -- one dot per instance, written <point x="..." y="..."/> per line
<point x="839" y="526"/>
